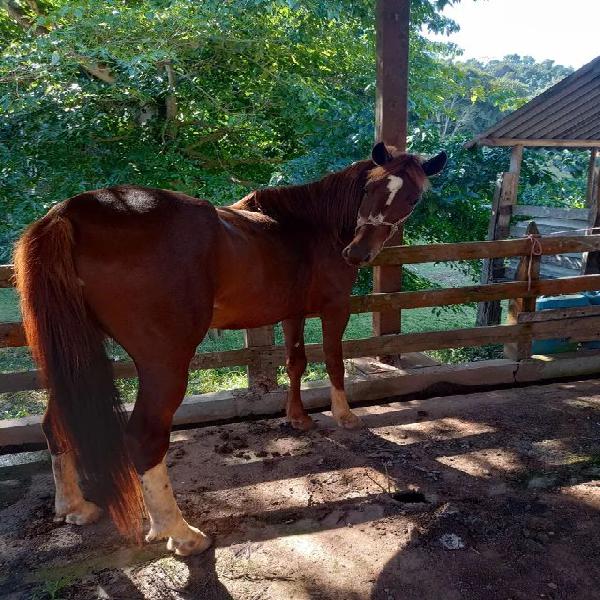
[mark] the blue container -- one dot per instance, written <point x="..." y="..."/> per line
<point x="554" y="346"/>
<point x="593" y="297"/>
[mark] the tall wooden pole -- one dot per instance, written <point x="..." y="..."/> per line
<point x="590" y="196"/>
<point x="391" y="115"/>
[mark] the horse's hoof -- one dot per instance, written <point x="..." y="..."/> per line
<point x="349" y="421"/>
<point x="304" y="423"/>
<point x="84" y="514"/>
<point x="197" y="542"/>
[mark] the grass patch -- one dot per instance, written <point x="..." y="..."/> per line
<point x="9" y="306"/>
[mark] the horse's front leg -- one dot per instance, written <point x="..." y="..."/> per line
<point x="295" y="362"/>
<point x="334" y="324"/>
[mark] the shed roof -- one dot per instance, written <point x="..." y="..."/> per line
<point x="565" y="115"/>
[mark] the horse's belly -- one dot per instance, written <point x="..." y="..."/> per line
<point x="247" y="310"/>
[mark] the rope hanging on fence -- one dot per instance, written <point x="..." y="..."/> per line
<point x="536" y="250"/>
<point x="536" y="246"/>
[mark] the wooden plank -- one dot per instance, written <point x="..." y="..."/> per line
<point x="262" y="372"/>
<point x="487" y="249"/>
<point x="591" y="178"/>
<point x="12" y="335"/>
<point x="475" y="293"/>
<point x="576" y="328"/>
<point x="423" y="253"/>
<point x="428" y="298"/>
<point x="236" y="404"/>
<point x="391" y="118"/>
<point x="557" y="314"/>
<point x="537" y="143"/>
<point x="30" y="380"/>
<point x="508" y="197"/>
<point x="578" y="214"/>
<point x="549" y="227"/>
<point x="6" y="276"/>
<point x="529" y="271"/>
<point x="590" y="262"/>
<point x="488" y="313"/>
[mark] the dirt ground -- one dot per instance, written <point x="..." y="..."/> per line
<point x="484" y="496"/>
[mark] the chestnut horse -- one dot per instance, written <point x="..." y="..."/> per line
<point x="155" y="270"/>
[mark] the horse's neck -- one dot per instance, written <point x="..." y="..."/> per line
<point x="324" y="203"/>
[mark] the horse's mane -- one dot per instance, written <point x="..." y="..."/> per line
<point x="331" y="203"/>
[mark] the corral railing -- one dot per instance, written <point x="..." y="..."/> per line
<point x="262" y="356"/>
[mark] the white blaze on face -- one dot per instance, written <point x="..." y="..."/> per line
<point x="394" y="184"/>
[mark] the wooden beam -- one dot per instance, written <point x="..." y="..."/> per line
<point x="589" y="195"/>
<point x="551" y="212"/>
<point x="423" y="253"/>
<point x="529" y="271"/>
<point x="557" y="314"/>
<point x="538" y="143"/>
<point x="391" y="108"/>
<point x="12" y="335"/>
<point x="475" y="293"/>
<point x="574" y="326"/>
<point x="391" y="117"/>
<point x="6" y="276"/>
<point x="262" y="374"/>
<point x="505" y="195"/>
<point x="590" y="261"/>
<point x="238" y="404"/>
<point x="516" y="158"/>
<point x="489" y="249"/>
<point x="419" y="299"/>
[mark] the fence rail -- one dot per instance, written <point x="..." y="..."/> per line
<point x="262" y="357"/>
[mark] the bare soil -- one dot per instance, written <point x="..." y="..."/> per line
<point x="485" y="496"/>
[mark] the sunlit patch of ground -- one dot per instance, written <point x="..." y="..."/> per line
<point x="488" y="496"/>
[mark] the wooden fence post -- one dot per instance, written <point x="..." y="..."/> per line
<point x="391" y="116"/>
<point x="262" y="371"/>
<point x="488" y="313"/>
<point x="528" y="270"/>
<point x="590" y="261"/>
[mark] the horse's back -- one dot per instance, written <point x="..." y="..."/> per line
<point x="125" y="203"/>
<point x="142" y="255"/>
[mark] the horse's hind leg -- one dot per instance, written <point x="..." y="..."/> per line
<point x="293" y="330"/>
<point x="69" y="503"/>
<point x="161" y="389"/>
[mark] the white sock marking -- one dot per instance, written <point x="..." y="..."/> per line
<point x="68" y="493"/>
<point x="166" y="520"/>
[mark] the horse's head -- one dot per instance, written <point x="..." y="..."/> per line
<point x="394" y="186"/>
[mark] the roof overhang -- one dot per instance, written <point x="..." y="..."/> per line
<point x="485" y="141"/>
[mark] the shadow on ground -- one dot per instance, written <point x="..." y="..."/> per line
<point x="487" y="496"/>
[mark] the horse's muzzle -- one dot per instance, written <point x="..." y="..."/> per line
<point x="366" y="245"/>
<point x="356" y="256"/>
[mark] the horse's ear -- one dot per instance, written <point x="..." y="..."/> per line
<point x="380" y="154"/>
<point x="434" y="165"/>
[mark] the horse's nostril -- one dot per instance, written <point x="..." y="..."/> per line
<point x="345" y="252"/>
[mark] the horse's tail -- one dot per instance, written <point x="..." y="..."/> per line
<point x="68" y="344"/>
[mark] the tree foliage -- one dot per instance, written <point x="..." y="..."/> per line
<point x="214" y="98"/>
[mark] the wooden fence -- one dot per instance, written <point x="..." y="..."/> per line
<point x="262" y="356"/>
